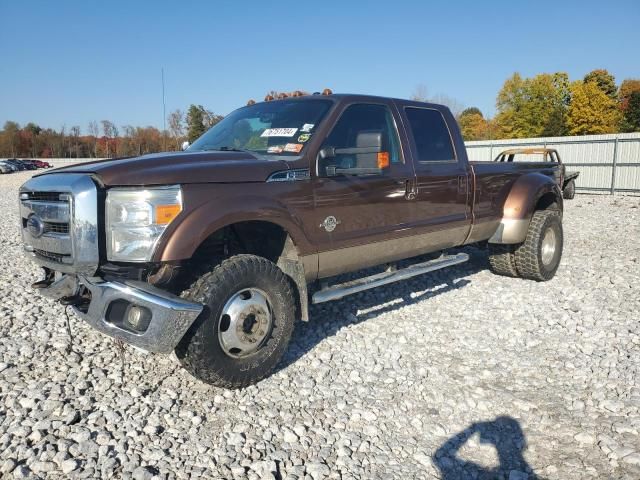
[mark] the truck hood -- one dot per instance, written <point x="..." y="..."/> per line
<point x="179" y="167"/>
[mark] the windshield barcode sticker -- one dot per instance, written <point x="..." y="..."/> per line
<point x="279" y="132"/>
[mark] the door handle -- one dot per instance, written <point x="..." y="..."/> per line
<point x="409" y="190"/>
<point x="462" y="184"/>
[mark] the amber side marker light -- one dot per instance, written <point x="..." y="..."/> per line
<point x="383" y="159"/>
<point x="166" y="213"/>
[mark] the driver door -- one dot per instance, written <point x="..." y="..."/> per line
<point x="362" y="219"/>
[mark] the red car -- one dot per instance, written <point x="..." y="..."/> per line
<point x="39" y="163"/>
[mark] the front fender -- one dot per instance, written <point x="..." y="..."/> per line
<point x="523" y="199"/>
<point x="208" y="210"/>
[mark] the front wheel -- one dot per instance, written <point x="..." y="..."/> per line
<point x="539" y="256"/>
<point x="246" y="325"/>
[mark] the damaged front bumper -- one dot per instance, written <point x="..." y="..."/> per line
<point x="134" y="312"/>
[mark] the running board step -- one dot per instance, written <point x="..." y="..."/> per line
<point x="341" y="290"/>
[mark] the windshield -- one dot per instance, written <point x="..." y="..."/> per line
<point x="280" y="128"/>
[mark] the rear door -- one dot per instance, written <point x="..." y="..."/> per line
<point x="443" y="190"/>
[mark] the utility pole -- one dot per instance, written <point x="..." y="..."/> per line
<point x="164" y="117"/>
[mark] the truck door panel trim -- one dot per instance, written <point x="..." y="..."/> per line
<point x="335" y="262"/>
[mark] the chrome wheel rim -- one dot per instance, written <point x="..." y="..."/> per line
<point x="245" y="323"/>
<point x="548" y="248"/>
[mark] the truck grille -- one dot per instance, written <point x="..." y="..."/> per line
<point x="42" y="196"/>
<point x="60" y="233"/>
<point x="51" y="227"/>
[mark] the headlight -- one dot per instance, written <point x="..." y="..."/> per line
<point x="135" y="220"/>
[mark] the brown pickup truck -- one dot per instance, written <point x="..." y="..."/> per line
<point x="214" y="252"/>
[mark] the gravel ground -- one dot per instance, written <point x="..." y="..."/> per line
<point x="460" y="374"/>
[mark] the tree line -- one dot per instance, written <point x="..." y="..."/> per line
<point x="104" y="139"/>
<point x="540" y="106"/>
<point x="549" y="105"/>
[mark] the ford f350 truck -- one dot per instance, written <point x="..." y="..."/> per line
<point x="216" y="251"/>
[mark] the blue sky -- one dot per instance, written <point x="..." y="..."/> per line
<point x="70" y="62"/>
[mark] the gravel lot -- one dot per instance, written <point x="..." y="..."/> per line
<point x="460" y="374"/>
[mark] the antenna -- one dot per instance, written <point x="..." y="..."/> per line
<point x="164" y="116"/>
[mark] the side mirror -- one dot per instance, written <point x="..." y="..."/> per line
<point x="185" y="145"/>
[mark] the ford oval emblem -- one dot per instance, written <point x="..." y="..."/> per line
<point x="35" y="226"/>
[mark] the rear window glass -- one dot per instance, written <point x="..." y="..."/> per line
<point x="430" y="132"/>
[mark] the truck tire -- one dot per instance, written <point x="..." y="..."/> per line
<point x="569" y="190"/>
<point x="502" y="259"/>
<point x="246" y="325"/>
<point x="539" y="256"/>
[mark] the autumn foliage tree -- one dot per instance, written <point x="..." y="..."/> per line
<point x="473" y="124"/>
<point x="605" y="82"/>
<point x="629" y="94"/>
<point x="591" y="110"/>
<point x="631" y="120"/>
<point x="533" y="107"/>
<point x="627" y="87"/>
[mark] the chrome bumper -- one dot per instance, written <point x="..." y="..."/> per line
<point x="170" y="316"/>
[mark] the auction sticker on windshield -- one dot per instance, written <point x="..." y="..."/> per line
<point x="293" y="147"/>
<point x="279" y="132"/>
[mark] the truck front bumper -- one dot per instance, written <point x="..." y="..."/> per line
<point x="134" y="312"/>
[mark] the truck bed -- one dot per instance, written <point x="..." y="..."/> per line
<point x="493" y="182"/>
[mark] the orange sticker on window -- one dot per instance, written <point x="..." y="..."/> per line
<point x="293" y="147"/>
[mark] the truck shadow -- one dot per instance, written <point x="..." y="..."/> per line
<point x="504" y="433"/>
<point x="327" y="319"/>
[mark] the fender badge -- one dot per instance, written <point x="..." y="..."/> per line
<point x="330" y="223"/>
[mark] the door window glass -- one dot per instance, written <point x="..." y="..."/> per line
<point x="431" y="135"/>
<point x="354" y="129"/>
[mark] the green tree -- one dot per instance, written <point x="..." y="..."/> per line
<point x="631" y="122"/>
<point x="591" y="110"/>
<point x="605" y="81"/>
<point x="533" y="107"/>
<point x="195" y="122"/>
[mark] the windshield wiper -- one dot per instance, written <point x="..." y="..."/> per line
<point x="228" y="149"/>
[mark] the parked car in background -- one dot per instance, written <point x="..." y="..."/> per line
<point x="33" y="164"/>
<point x="567" y="180"/>
<point x="7" y="167"/>
<point x="18" y="164"/>
<point x="29" y="165"/>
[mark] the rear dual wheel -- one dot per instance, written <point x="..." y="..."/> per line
<point x="538" y="257"/>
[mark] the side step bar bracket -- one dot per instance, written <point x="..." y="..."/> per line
<point x="341" y="290"/>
